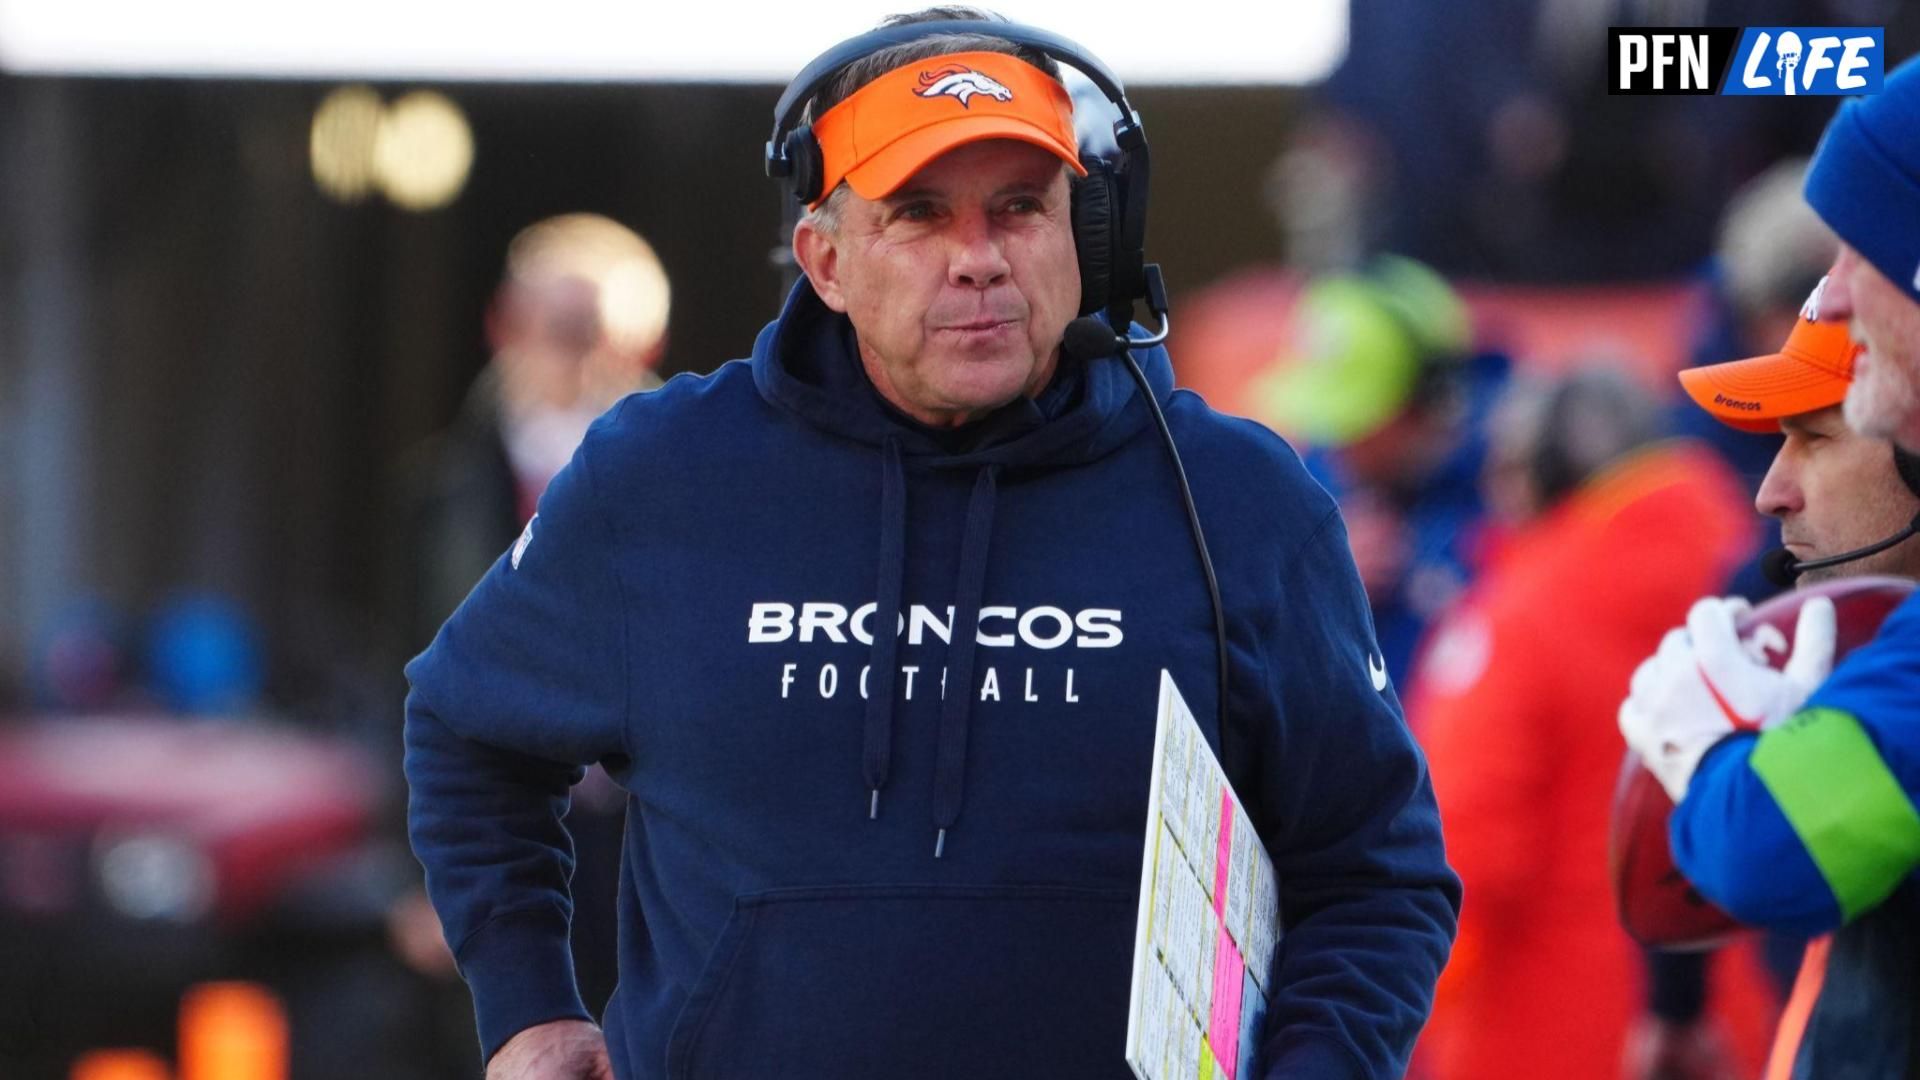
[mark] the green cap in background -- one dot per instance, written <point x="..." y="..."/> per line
<point x="1359" y="344"/>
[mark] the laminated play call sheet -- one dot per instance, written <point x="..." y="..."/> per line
<point x="1209" y="916"/>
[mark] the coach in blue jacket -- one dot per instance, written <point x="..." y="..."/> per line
<point x="870" y="628"/>
<point x="1811" y="823"/>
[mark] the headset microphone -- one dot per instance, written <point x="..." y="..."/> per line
<point x="1088" y="338"/>
<point x="1781" y="568"/>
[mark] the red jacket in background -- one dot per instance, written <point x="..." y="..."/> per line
<point x="1514" y="698"/>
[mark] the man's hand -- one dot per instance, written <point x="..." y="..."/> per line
<point x="557" y="1050"/>
<point x="1704" y="684"/>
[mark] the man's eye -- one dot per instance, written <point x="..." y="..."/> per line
<point x="1024" y="206"/>
<point x="915" y="212"/>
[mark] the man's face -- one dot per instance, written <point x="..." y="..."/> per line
<point x="1834" y="490"/>
<point x="960" y="284"/>
<point x="543" y="331"/>
<point x="1884" y="400"/>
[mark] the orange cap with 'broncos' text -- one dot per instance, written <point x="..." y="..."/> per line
<point x="1810" y="372"/>
<point x="890" y="128"/>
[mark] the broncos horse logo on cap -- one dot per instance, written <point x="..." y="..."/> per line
<point x="956" y="81"/>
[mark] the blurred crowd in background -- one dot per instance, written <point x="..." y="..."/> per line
<point x="270" y="404"/>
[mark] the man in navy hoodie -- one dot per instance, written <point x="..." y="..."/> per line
<point x="869" y="627"/>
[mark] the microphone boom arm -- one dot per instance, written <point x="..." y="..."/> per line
<point x="1780" y="567"/>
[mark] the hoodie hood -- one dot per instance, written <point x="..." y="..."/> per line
<point x="807" y="362"/>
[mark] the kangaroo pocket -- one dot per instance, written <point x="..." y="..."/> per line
<point x="913" y="981"/>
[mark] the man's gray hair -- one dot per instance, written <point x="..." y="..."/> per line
<point x="868" y="68"/>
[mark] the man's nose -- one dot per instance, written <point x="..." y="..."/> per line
<point x="978" y="258"/>
<point x="1836" y="298"/>
<point x="1779" y="493"/>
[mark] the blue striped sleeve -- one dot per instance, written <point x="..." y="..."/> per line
<point x="1813" y="823"/>
<point x="1732" y="841"/>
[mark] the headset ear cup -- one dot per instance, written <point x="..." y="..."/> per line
<point x="803" y="150"/>
<point x="1908" y="464"/>
<point x="1094" y="221"/>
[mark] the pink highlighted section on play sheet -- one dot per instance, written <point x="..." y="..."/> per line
<point x="1223" y="1027"/>
<point x="1224" y="856"/>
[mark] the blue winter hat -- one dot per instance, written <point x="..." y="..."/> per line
<point x="1865" y="179"/>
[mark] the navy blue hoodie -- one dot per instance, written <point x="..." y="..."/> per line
<point x="852" y="853"/>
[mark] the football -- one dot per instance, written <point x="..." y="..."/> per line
<point x="1658" y="906"/>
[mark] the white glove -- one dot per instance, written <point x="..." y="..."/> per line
<point x="1704" y="684"/>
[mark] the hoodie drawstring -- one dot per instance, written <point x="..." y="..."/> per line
<point x="950" y="754"/>
<point x="877" y="752"/>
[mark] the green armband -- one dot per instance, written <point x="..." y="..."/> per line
<point x="1843" y="802"/>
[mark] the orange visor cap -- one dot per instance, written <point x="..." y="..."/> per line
<point x="892" y="127"/>
<point x="1810" y="372"/>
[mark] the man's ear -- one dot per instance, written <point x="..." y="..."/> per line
<point x="819" y="258"/>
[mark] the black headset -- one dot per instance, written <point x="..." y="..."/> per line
<point x="1551" y="468"/>
<point x="1109" y="203"/>
<point x="1555" y="468"/>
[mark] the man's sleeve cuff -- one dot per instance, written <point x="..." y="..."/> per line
<point x="520" y="971"/>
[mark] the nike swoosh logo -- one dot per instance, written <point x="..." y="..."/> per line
<point x="1377" y="667"/>
<point x="1733" y="716"/>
